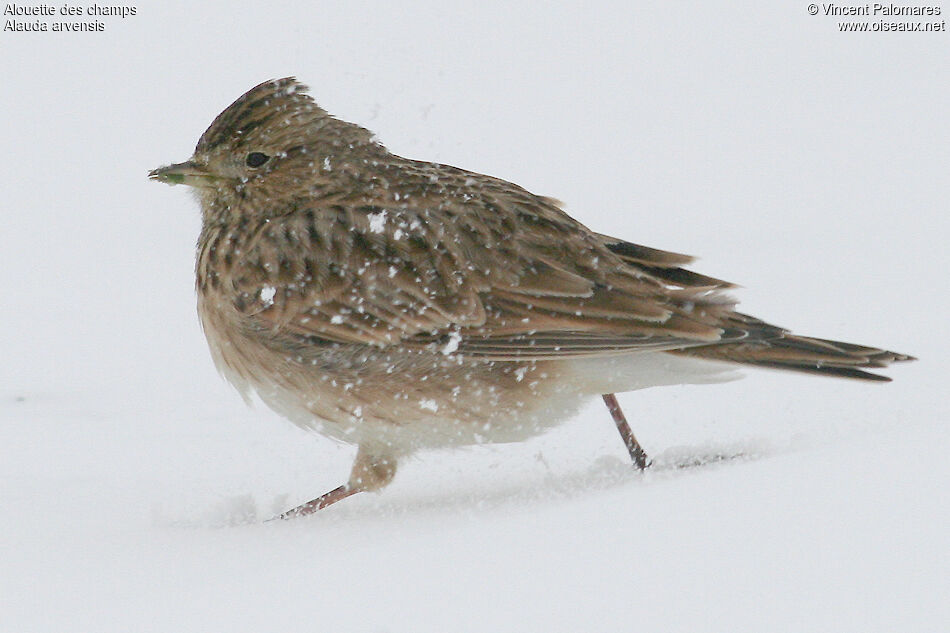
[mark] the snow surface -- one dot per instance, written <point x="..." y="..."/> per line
<point x="806" y="164"/>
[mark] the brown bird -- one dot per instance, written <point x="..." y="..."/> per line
<point x="400" y="305"/>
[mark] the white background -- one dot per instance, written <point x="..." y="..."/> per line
<point x="808" y="165"/>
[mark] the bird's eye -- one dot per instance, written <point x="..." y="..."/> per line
<point x="256" y="159"/>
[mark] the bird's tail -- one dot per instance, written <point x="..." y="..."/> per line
<point x="804" y="354"/>
<point x="765" y="345"/>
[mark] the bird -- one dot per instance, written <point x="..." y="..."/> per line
<point x="399" y="305"/>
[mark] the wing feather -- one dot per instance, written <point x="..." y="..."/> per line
<point x="509" y="273"/>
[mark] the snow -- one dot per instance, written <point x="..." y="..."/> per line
<point x="452" y="344"/>
<point x="267" y="295"/>
<point x="377" y="222"/>
<point x="807" y="165"/>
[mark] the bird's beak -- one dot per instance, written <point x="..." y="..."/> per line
<point x="188" y="173"/>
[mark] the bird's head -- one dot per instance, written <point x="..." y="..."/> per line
<point x="270" y="148"/>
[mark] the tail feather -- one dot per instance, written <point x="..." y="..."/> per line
<point x="804" y="354"/>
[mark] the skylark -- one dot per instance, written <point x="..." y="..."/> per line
<point x="400" y="305"/>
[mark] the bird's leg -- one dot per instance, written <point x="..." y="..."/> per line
<point x="341" y="492"/>
<point x="636" y="451"/>
<point x="369" y="473"/>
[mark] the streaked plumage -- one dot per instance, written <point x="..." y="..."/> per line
<point x="398" y="304"/>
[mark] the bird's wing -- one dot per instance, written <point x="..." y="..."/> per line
<point x="501" y="275"/>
